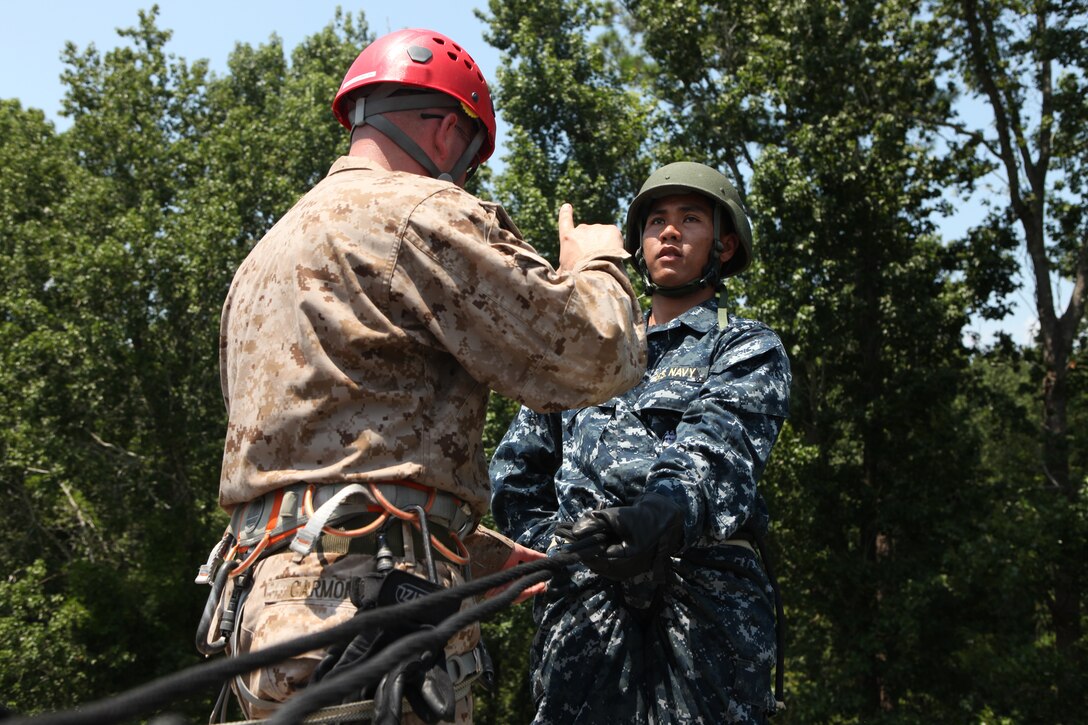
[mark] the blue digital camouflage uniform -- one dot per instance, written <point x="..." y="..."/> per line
<point x="699" y="428"/>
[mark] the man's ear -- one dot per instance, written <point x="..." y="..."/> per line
<point x="729" y="246"/>
<point x="443" y="139"/>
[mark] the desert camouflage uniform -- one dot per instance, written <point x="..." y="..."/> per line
<point x="359" y="342"/>
<point x="699" y="428"/>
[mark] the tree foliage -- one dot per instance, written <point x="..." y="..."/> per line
<point x="1026" y="63"/>
<point x="576" y="130"/>
<point x="121" y="236"/>
<point x="838" y="124"/>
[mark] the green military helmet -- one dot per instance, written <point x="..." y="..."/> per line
<point x="683" y="177"/>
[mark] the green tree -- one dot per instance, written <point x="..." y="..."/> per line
<point x="38" y="522"/>
<point x="125" y="232"/>
<point x="1025" y="63"/>
<point x="876" y="488"/>
<point x="1000" y="571"/>
<point x="576" y="130"/>
<point x="815" y="107"/>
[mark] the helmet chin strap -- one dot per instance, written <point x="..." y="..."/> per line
<point x="371" y="110"/>
<point x="710" y="277"/>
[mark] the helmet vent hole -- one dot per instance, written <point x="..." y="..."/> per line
<point x="452" y="55"/>
<point x="439" y="41"/>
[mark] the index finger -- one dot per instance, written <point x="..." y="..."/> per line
<point x="566" y="219"/>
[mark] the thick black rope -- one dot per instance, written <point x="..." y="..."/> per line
<point x="152" y="696"/>
<point x="348" y="684"/>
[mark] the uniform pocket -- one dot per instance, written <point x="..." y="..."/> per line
<point x="661" y="406"/>
<point x="752" y="685"/>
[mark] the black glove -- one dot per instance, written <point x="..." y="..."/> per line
<point x="424" y="681"/>
<point x="646" y="534"/>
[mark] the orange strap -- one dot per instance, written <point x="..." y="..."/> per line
<point x="414" y="518"/>
<point x="308" y="509"/>
<point x="253" y="555"/>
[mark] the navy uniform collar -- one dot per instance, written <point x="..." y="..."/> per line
<point x="702" y="318"/>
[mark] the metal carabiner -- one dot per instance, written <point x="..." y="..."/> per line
<point x="432" y="572"/>
<point x="202" y="644"/>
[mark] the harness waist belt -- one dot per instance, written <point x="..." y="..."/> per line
<point x="285" y="508"/>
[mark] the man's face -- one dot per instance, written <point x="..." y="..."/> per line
<point x="677" y="238"/>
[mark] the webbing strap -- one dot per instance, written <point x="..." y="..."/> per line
<point x="410" y="147"/>
<point x="244" y="693"/>
<point x="304" y="539"/>
<point x="370" y="110"/>
<point x="352" y="712"/>
<point x="464" y="669"/>
<point x="743" y="543"/>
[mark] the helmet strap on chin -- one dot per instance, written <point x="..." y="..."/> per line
<point x="370" y="110"/>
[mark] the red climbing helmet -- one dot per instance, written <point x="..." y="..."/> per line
<point x="425" y="60"/>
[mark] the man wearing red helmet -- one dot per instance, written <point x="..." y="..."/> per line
<point x="359" y="341"/>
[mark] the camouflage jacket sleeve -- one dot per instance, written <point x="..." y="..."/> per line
<point x="551" y="340"/>
<point x="724" y="438"/>
<point x="523" y="497"/>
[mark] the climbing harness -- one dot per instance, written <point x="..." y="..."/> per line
<point x="297" y="517"/>
<point x="299" y="513"/>
<point x="288" y="516"/>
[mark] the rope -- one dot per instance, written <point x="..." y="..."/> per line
<point x="369" y="671"/>
<point x="154" y="695"/>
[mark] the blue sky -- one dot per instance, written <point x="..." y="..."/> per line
<point x="33" y="35"/>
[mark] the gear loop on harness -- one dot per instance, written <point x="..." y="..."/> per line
<point x="457" y="558"/>
<point x="203" y="646"/>
<point x="253" y="555"/>
<point x="381" y="499"/>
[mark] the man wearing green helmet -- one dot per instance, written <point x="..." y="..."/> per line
<point x="672" y="619"/>
<point x="731" y="244"/>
